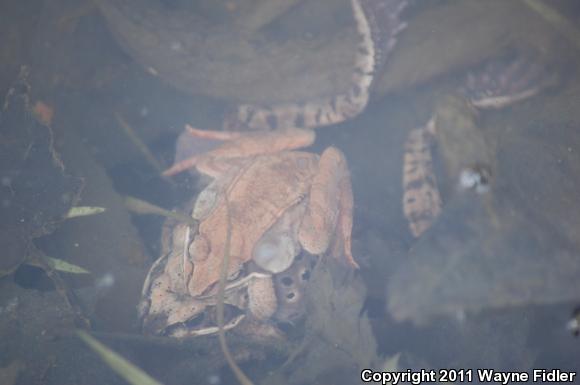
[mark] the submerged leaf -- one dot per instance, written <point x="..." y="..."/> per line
<point x="83" y="211"/>
<point x="139" y="206"/>
<point x="36" y="189"/>
<point x="67" y="267"/>
<point x="339" y="339"/>
<point x="131" y="373"/>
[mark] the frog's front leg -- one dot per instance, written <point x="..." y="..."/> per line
<point x="328" y="217"/>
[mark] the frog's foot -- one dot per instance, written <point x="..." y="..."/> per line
<point x="240" y="145"/>
<point x="329" y="212"/>
<point x="183" y="330"/>
<point x="501" y="82"/>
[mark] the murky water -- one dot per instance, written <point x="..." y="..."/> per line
<point x="491" y="283"/>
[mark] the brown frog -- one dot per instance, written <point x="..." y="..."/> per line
<point x="281" y="203"/>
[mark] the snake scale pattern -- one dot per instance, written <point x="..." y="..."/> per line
<point x="378" y="24"/>
<point x="184" y="50"/>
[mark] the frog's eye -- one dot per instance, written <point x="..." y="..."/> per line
<point x="475" y="178"/>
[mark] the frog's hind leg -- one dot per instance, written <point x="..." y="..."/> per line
<point x="328" y="217"/>
<point x="241" y="145"/>
<point x="194" y="161"/>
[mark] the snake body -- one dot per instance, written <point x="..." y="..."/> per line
<point x="466" y="154"/>
<point x="378" y="24"/>
<point x="198" y="56"/>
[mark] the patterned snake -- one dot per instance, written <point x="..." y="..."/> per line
<point x="194" y="54"/>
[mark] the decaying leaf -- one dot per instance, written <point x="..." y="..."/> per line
<point x="83" y="211"/>
<point x="61" y="265"/>
<point x="36" y="191"/>
<point x="339" y="339"/>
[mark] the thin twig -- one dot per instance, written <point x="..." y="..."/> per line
<point x="140" y="206"/>
<point x="242" y="378"/>
<point x="137" y="142"/>
<point x="557" y="20"/>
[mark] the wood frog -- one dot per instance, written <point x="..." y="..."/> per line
<point x="281" y="204"/>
